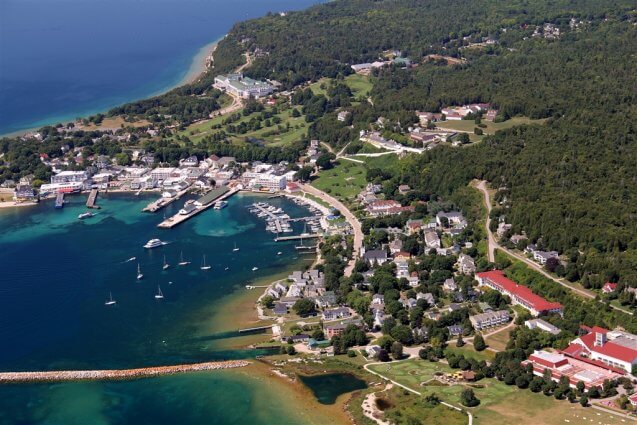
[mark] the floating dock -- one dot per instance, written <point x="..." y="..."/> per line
<point x="90" y="202"/>
<point x="291" y="238"/>
<point x="201" y="204"/>
<point x="59" y="200"/>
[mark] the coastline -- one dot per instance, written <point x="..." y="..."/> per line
<point x="198" y="67"/>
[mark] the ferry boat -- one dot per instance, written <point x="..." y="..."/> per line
<point x="154" y="243"/>
<point x="85" y="215"/>
<point x="110" y="300"/>
<point x="220" y="205"/>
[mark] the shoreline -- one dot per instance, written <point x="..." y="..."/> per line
<point x="197" y="68"/>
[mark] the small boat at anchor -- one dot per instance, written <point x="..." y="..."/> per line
<point x="140" y="276"/>
<point x="87" y="214"/>
<point x="235" y="249"/>
<point x="166" y="265"/>
<point x="183" y="262"/>
<point x="159" y="295"/>
<point x="204" y="266"/>
<point x="110" y="300"/>
<point x="254" y="269"/>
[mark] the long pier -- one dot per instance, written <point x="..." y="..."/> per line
<point x="90" y="202"/>
<point x="291" y="238"/>
<point x="202" y="204"/>
<point x="115" y="374"/>
<point x="257" y="328"/>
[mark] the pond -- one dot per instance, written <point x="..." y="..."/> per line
<point x="328" y="387"/>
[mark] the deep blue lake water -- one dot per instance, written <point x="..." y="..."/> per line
<point x="56" y="273"/>
<point x="60" y="59"/>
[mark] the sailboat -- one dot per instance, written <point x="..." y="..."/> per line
<point x="254" y="269"/>
<point x="203" y="265"/>
<point x="159" y="295"/>
<point x="235" y="248"/>
<point x="140" y="276"/>
<point x="166" y="265"/>
<point x="110" y="300"/>
<point x="182" y="262"/>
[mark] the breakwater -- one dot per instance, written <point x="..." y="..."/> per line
<point x="115" y="374"/>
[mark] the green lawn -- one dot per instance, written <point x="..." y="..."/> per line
<point x="344" y="181"/>
<point x="360" y="85"/>
<point x="383" y="161"/>
<point x="499" y="403"/>
<point x="469" y="125"/>
<point x="499" y="340"/>
<point x="469" y="353"/>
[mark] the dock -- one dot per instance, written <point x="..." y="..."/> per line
<point x="90" y="202"/>
<point x="201" y="204"/>
<point x="255" y="329"/>
<point x="162" y="202"/>
<point x="295" y="237"/>
<point x="59" y="200"/>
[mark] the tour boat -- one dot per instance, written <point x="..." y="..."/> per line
<point x="154" y="243"/>
<point x="235" y="248"/>
<point x="220" y="204"/>
<point x="203" y="265"/>
<point x="159" y="295"/>
<point x="85" y="215"/>
<point x="255" y="269"/>
<point x="110" y="300"/>
<point x="182" y="262"/>
<point x="140" y="276"/>
<point x="166" y="265"/>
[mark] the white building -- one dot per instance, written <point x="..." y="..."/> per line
<point x="70" y="176"/>
<point x="489" y="319"/>
<point x="542" y="325"/>
<point x="162" y="173"/>
<point x="241" y="86"/>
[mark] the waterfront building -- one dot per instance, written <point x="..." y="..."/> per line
<point x="241" y="86"/>
<point x="162" y="173"/>
<point x="24" y="192"/>
<point x="51" y="188"/>
<point x="519" y="294"/>
<point x="70" y="176"/>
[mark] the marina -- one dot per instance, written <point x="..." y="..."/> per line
<point x="277" y="221"/>
<point x="195" y="207"/>
<point x="164" y="201"/>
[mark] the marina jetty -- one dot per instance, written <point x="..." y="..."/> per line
<point x="164" y="201"/>
<point x="90" y="202"/>
<point x="115" y="374"/>
<point x="195" y="207"/>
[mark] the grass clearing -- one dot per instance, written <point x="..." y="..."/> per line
<point x="469" y="352"/>
<point x="344" y="181"/>
<point x="491" y="127"/>
<point x="360" y="85"/>
<point x="499" y="340"/>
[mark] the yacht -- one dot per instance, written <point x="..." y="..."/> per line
<point x="159" y="295"/>
<point x="85" y="215"/>
<point x="203" y="264"/>
<point x="189" y="207"/>
<point x="140" y="276"/>
<point x="220" y="204"/>
<point x="110" y="300"/>
<point x="154" y="243"/>
<point x="279" y="253"/>
<point x="166" y="265"/>
<point x="255" y="269"/>
<point x="235" y="249"/>
<point x="183" y="262"/>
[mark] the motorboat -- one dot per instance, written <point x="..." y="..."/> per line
<point x="87" y="214"/>
<point x="154" y="243"/>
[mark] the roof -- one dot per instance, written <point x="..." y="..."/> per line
<point x="609" y="348"/>
<point x="540" y="304"/>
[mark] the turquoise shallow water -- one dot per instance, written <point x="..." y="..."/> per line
<point x="57" y="271"/>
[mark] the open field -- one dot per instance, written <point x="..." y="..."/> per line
<point x="491" y="127"/>
<point x="360" y="85"/>
<point x="344" y="181"/>
<point x="469" y="352"/>
<point x="113" y="122"/>
<point x="499" y="340"/>
<point x="499" y="403"/>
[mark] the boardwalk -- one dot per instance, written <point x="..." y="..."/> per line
<point x="115" y="374"/>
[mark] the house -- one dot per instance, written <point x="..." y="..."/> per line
<point x="609" y="288"/>
<point x="395" y="246"/>
<point x="633" y="399"/>
<point x="24" y="192"/>
<point x="386" y="207"/>
<point x="466" y="265"/>
<point x="433" y="315"/>
<point x="342" y="116"/>
<point x="489" y="319"/>
<point x="295" y="339"/>
<point x="409" y="303"/>
<point x="414" y="226"/>
<point x="543" y="256"/>
<point x="289" y="301"/>
<point x="616" y="349"/>
<point x="429" y="297"/>
<point x="453" y="307"/>
<point x="378" y="299"/>
<point x="376" y="256"/>
<point x="520" y="295"/>
<point x="328" y="299"/>
<point x="591" y="373"/>
<point x="403" y="189"/>
<point x="449" y="285"/>
<point x="542" y="325"/>
<point x="452" y="218"/>
<point x="191" y="161"/>
<point x="280" y="309"/>
<point x="503" y="228"/>
<point x="372" y="351"/>
<point x="402" y="257"/>
<point x="455" y="330"/>
<point x="334" y="330"/>
<point x="432" y="240"/>
<point x="336" y="313"/>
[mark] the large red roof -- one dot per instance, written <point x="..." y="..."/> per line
<point x="538" y="303"/>
<point x="609" y="348"/>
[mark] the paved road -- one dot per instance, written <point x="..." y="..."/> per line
<point x="493" y="245"/>
<point x="351" y="219"/>
<point x="366" y="367"/>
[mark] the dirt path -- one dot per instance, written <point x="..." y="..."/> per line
<point x="371" y="411"/>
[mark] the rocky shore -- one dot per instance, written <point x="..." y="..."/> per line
<point x="116" y="374"/>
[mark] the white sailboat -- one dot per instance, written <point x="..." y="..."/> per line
<point x="254" y="269"/>
<point x="182" y="262"/>
<point x="159" y="295"/>
<point x="110" y="300"/>
<point x="235" y="248"/>
<point x="203" y="264"/>
<point x="166" y="265"/>
<point x="140" y="276"/>
<point x="279" y="253"/>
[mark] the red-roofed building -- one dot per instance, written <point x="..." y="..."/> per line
<point x="609" y="288"/>
<point x="519" y="294"/>
<point x="576" y="370"/>
<point x="633" y="399"/>
<point x="614" y="349"/>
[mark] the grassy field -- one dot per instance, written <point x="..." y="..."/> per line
<point x="344" y="181"/>
<point x="469" y="353"/>
<point x="469" y="125"/>
<point x="499" y="403"/>
<point x="499" y="340"/>
<point x="360" y="85"/>
<point x="383" y="161"/>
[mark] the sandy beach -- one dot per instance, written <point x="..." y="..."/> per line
<point x="199" y="63"/>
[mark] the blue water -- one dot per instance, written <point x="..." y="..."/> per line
<point x="60" y="59"/>
<point x="56" y="272"/>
